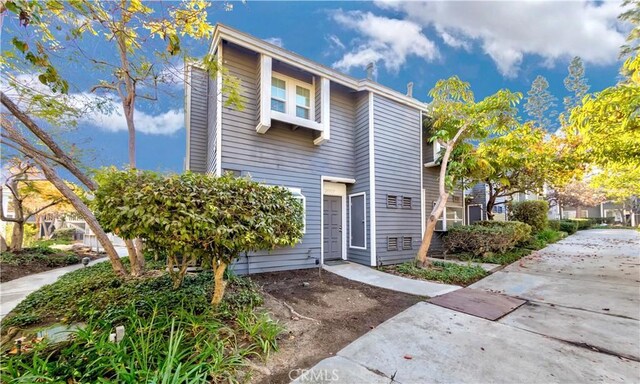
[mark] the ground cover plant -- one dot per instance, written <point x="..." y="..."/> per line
<point x="448" y="273"/>
<point x="34" y="259"/>
<point x="170" y="334"/>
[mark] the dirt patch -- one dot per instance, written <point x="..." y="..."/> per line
<point x="342" y="310"/>
<point x="25" y="263"/>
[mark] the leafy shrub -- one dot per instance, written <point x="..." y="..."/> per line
<point x="66" y="234"/>
<point x="504" y="258"/>
<point x="521" y="231"/>
<point x="568" y="226"/>
<point x="196" y="218"/>
<point x="549" y="235"/>
<point x="603" y="220"/>
<point x="583" y="223"/>
<point x="479" y="240"/>
<point x="554" y="224"/>
<point x="532" y="212"/>
<point x="448" y="273"/>
<point x="41" y="255"/>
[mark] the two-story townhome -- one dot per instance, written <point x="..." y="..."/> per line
<point x="351" y="150"/>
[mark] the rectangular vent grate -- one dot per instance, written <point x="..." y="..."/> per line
<point x="392" y="243"/>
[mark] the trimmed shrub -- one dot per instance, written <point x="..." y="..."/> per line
<point x="481" y="240"/>
<point x="532" y="212"/>
<point x="569" y="226"/>
<point x="603" y="220"/>
<point x="521" y="231"/>
<point x="554" y="224"/>
<point x="583" y="223"/>
<point x="66" y="234"/>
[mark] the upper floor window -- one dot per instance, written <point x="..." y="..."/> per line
<point x="291" y="97"/>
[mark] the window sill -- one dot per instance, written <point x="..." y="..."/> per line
<point x="297" y="121"/>
<point x="360" y="248"/>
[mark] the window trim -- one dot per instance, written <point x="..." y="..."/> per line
<point x="364" y="201"/>
<point x="443" y="218"/>
<point x="290" y="103"/>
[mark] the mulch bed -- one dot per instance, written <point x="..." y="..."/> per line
<point x="10" y="272"/>
<point x="341" y="311"/>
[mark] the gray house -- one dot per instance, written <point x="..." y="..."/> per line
<point x="351" y="150"/>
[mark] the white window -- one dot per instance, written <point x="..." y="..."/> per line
<point x="436" y="150"/>
<point x="358" y="221"/>
<point x="291" y="97"/>
<point x="451" y="216"/>
<point x="278" y="95"/>
<point x="297" y="194"/>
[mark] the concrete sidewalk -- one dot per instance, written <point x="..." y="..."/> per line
<point x="371" y="276"/>
<point x="14" y="291"/>
<point x="580" y="325"/>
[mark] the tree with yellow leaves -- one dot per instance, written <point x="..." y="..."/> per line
<point x="31" y="195"/>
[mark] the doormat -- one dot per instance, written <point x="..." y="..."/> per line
<point x="476" y="302"/>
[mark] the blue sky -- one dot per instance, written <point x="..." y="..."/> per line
<point x="490" y="44"/>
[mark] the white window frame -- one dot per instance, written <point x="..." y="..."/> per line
<point x="284" y="101"/>
<point x="443" y="218"/>
<point x="437" y="147"/>
<point x="290" y="102"/>
<point x="364" y="200"/>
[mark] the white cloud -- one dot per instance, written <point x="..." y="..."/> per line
<point x="390" y="41"/>
<point x="275" y="41"/>
<point x="508" y="31"/>
<point x="109" y="117"/>
<point x="165" y="123"/>
<point x="335" y="42"/>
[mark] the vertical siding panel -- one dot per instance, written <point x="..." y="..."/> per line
<point x="361" y="152"/>
<point x="212" y="127"/>
<point x="397" y="168"/>
<point x="198" y="116"/>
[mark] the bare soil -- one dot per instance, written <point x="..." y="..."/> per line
<point x="11" y="271"/>
<point x="341" y="311"/>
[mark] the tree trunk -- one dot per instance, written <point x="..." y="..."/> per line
<point x="490" y="204"/>
<point x="17" y="236"/>
<point x="133" y="259"/>
<point x="219" y="283"/>
<point x="578" y="212"/>
<point x="139" y="253"/>
<point x="421" y="257"/>
<point x="86" y="214"/>
<point x="3" y="243"/>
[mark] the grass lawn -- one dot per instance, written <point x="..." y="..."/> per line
<point x="448" y="273"/>
<point x="170" y="335"/>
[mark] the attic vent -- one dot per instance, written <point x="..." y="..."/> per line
<point x="392" y="201"/>
<point x="407" y="243"/>
<point x="406" y="202"/>
<point x="392" y="243"/>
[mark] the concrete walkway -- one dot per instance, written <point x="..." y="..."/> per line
<point x="580" y="325"/>
<point x="368" y="275"/>
<point x="14" y="291"/>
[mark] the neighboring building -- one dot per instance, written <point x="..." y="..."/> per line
<point x="476" y="203"/>
<point x="351" y="150"/>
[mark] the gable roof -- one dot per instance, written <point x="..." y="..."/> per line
<point x="224" y="32"/>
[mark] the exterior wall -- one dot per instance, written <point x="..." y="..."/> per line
<point x="197" y="115"/>
<point x="287" y="157"/>
<point x="212" y="127"/>
<point x="361" y="153"/>
<point x="431" y="177"/>
<point x="397" y="172"/>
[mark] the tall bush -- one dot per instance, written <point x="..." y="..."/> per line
<point x="533" y="212"/>
<point x="195" y="218"/>
<point x="519" y="232"/>
<point x="482" y="239"/>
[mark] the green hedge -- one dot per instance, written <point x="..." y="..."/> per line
<point x="521" y="231"/>
<point x="583" y="223"/>
<point x="482" y="239"/>
<point x="569" y="226"/>
<point x="64" y="234"/>
<point x="532" y="212"/>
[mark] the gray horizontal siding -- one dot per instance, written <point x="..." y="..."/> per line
<point x="198" y="120"/>
<point x="397" y="172"/>
<point x="212" y="126"/>
<point x="286" y="157"/>
<point x="361" y="153"/>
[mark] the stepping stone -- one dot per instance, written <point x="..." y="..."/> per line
<point x="475" y="302"/>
